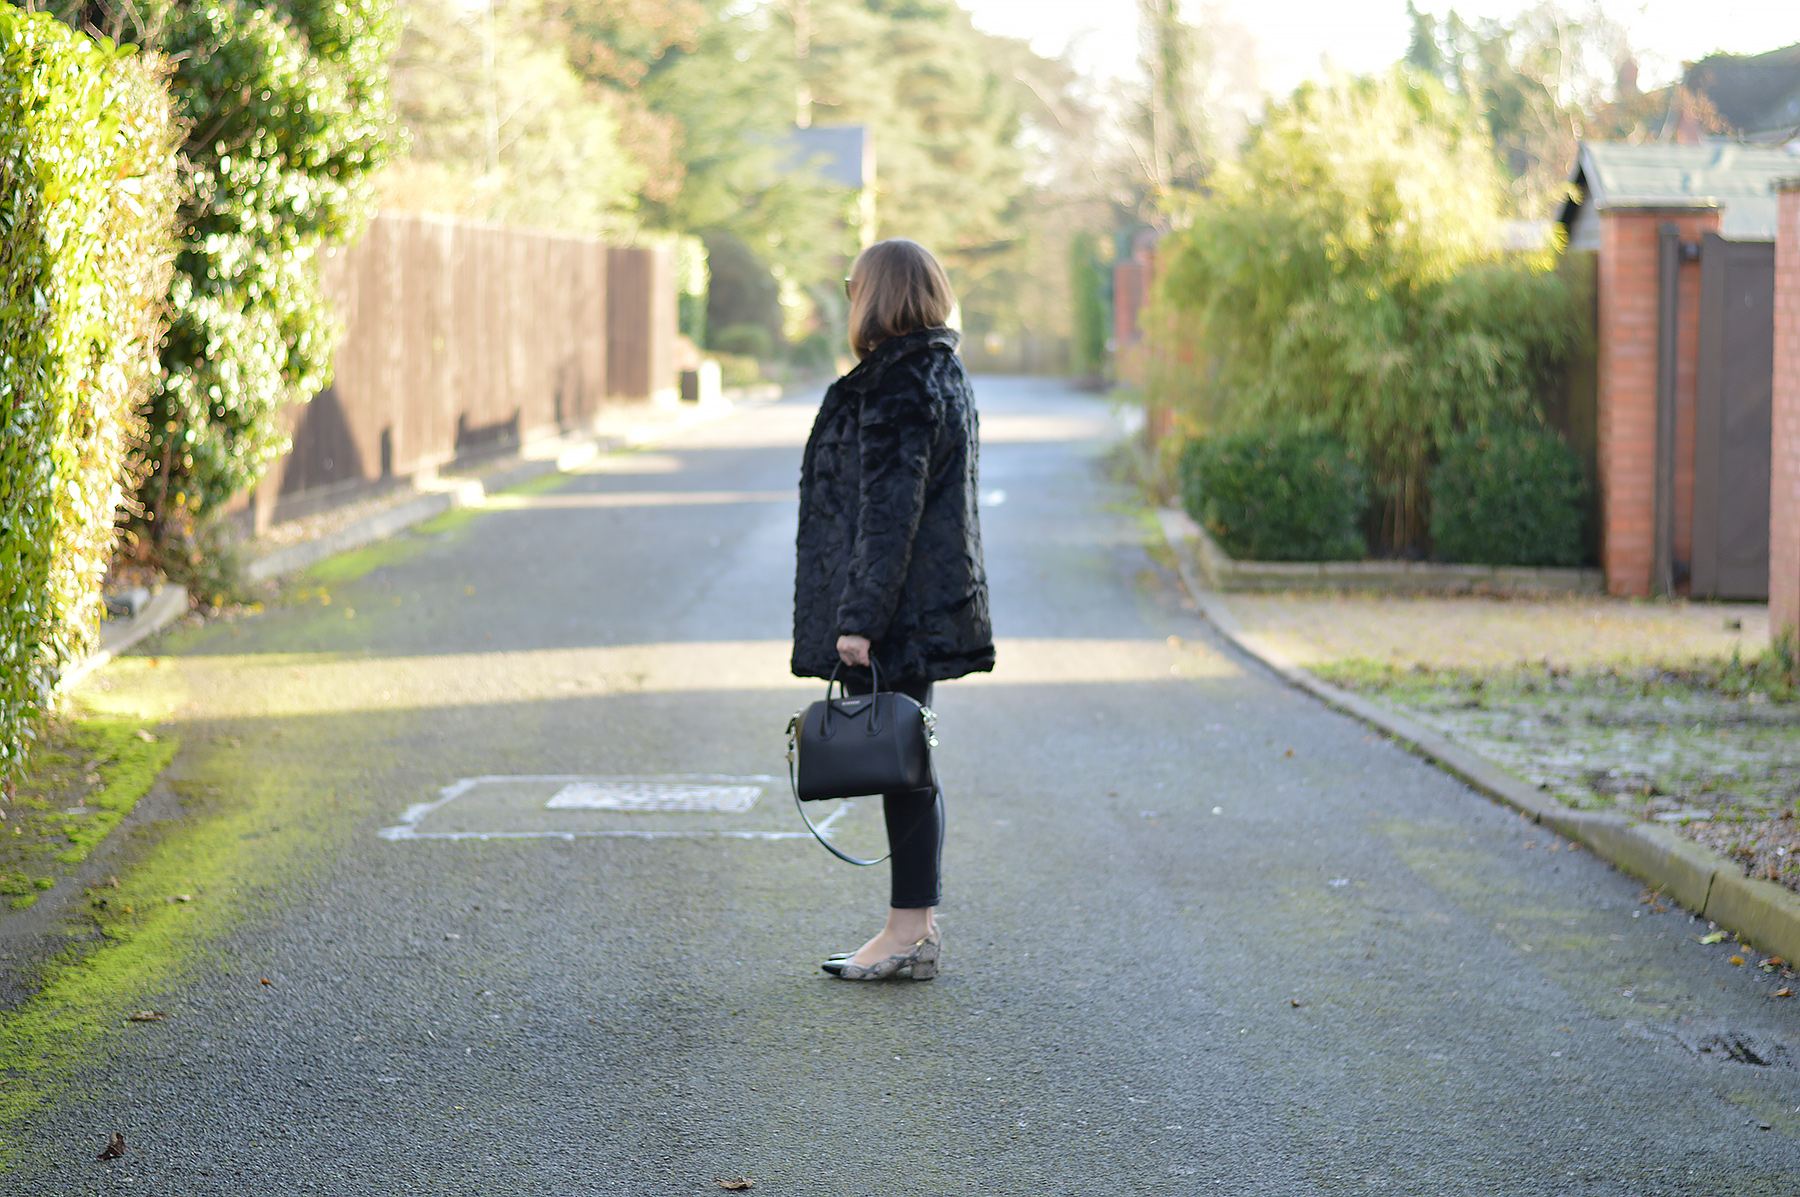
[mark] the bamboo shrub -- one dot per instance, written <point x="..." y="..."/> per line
<point x="1344" y="275"/>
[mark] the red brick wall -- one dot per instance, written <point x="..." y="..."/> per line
<point x="1133" y="280"/>
<point x="1784" y="474"/>
<point x="1627" y="399"/>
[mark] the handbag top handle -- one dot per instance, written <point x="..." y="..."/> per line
<point x="843" y="690"/>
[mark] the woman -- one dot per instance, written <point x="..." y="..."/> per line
<point x="889" y="553"/>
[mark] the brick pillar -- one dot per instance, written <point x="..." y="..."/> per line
<point x="1627" y="389"/>
<point x="1130" y="292"/>
<point x="1784" y="463"/>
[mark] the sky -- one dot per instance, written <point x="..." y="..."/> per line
<point x="1292" y="36"/>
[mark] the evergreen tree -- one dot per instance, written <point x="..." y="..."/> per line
<point x="503" y="129"/>
<point x="1541" y="82"/>
<point x="616" y="45"/>
<point x="732" y="95"/>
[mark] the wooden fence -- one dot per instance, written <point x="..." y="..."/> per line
<point x="464" y="341"/>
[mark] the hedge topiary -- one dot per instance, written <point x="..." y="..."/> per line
<point x="1277" y="495"/>
<point x="1511" y="496"/>
<point x="87" y="191"/>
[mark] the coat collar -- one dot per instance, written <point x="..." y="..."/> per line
<point x="869" y="371"/>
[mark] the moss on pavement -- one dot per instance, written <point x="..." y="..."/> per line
<point x="83" y="780"/>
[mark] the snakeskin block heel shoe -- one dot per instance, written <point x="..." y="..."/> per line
<point x="917" y="963"/>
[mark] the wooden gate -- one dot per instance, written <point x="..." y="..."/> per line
<point x="1732" y="419"/>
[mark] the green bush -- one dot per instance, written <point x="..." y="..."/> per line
<point x="1090" y="288"/>
<point x="1512" y="496"/>
<point x="1277" y="494"/>
<point x="743" y="299"/>
<point x="816" y="352"/>
<point x="87" y="191"/>
<point x="745" y="340"/>
<point x="288" y="118"/>
<point x="737" y="370"/>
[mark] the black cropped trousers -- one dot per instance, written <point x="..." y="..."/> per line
<point x="915" y="823"/>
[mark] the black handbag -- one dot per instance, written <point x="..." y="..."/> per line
<point x="851" y="746"/>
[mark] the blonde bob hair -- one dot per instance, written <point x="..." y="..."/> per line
<point x="896" y="287"/>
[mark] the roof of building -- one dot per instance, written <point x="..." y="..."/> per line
<point x="1729" y="175"/>
<point x="1758" y="95"/>
<point x="843" y="154"/>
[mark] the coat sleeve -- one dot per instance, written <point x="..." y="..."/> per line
<point x="896" y="435"/>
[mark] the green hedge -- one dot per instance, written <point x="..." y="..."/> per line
<point x="1512" y="496"/>
<point x="87" y="190"/>
<point x="1277" y="495"/>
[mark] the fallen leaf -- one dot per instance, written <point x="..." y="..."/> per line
<point x="1294" y="1002"/>
<point x="115" y="1147"/>
<point x="1784" y="991"/>
<point x="1290" y="752"/>
<point x="180" y="898"/>
<point x="1715" y="937"/>
<point x="266" y="981"/>
<point x="1736" y="960"/>
<point x="738" y="1185"/>
<point x="145" y="1016"/>
<point x="145" y="736"/>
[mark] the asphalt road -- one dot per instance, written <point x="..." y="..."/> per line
<point x="1202" y="935"/>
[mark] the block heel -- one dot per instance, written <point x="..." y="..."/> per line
<point x="917" y="963"/>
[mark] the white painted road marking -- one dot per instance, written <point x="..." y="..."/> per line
<point x="565" y="500"/>
<point x="561" y="806"/>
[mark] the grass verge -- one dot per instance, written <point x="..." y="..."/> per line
<point x="86" y="776"/>
<point x="1709" y="747"/>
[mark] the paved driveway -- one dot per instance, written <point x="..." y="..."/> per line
<point x="495" y="893"/>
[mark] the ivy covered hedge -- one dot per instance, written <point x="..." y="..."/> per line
<point x="87" y="193"/>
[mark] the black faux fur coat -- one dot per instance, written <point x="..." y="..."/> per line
<point x="890" y="537"/>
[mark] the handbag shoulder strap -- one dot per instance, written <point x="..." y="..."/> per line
<point x="794" y="785"/>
